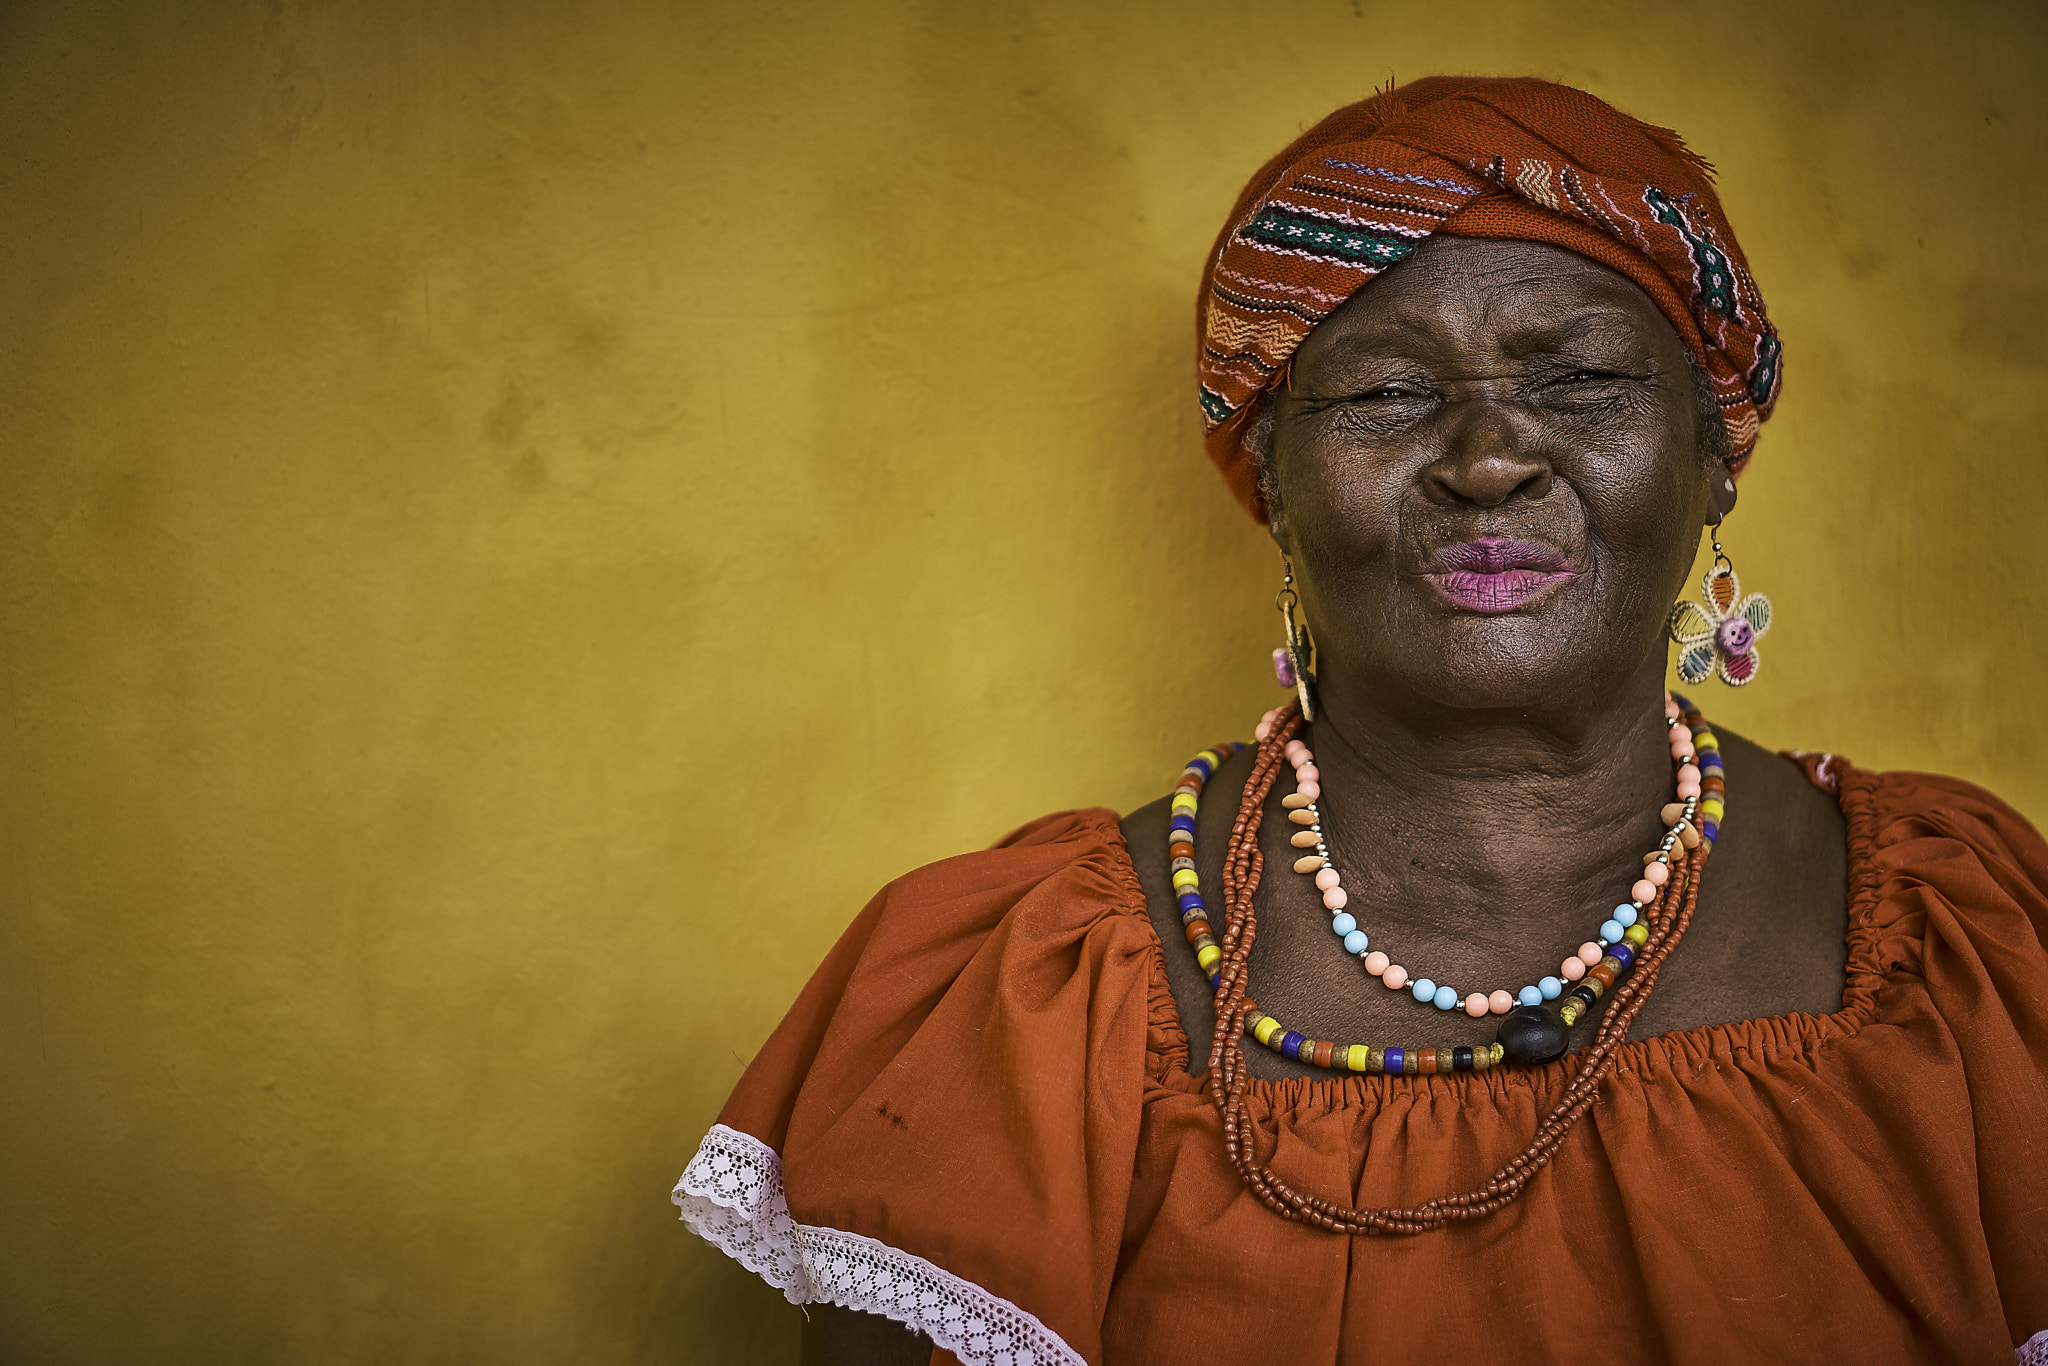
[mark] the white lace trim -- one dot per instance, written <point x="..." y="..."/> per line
<point x="731" y="1196"/>
<point x="2034" y="1351"/>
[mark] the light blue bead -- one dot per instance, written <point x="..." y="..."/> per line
<point x="1342" y="922"/>
<point x="1610" y="930"/>
<point x="1445" y="998"/>
<point x="1551" y="988"/>
<point x="1354" y="942"/>
<point x="1530" y="996"/>
<point x="1624" y="915"/>
<point x="1424" y="989"/>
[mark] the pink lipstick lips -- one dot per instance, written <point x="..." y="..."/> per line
<point x="1496" y="575"/>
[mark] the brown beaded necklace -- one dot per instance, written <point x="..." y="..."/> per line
<point x="1243" y="865"/>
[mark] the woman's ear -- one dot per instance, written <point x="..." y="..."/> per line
<point x="1720" y="493"/>
<point x="1258" y="439"/>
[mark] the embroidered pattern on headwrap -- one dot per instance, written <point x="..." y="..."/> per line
<point x="1506" y="159"/>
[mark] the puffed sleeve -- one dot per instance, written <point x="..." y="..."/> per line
<point x="943" y="1127"/>
<point x="1971" y="876"/>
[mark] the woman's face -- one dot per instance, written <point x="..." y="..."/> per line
<point x="1487" y="475"/>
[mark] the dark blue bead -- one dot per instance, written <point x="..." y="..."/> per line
<point x="1624" y="953"/>
<point x="1290" y="1041"/>
<point x="1394" y="1059"/>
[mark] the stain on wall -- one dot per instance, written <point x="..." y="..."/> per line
<point x="517" y="518"/>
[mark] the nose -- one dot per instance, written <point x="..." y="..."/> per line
<point x="1488" y="457"/>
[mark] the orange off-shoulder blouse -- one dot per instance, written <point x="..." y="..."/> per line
<point x="977" y="1119"/>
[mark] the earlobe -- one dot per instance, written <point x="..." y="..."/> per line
<point x="1276" y="527"/>
<point x="1720" y="495"/>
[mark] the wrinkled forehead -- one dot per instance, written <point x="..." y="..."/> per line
<point x="1506" y="298"/>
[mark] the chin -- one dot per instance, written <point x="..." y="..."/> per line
<point x="1530" y="685"/>
<point x="1516" y="663"/>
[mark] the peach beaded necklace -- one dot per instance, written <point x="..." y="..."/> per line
<point x="1619" y="935"/>
<point x="1668" y="912"/>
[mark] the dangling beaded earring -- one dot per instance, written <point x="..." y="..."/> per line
<point x="1719" y="634"/>
<point x="1295" y="663"/>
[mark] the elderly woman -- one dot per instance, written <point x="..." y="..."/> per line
<point x="1493" y="1005"/>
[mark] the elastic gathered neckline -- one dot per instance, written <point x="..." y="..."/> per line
<point x="1774" y="1037"/>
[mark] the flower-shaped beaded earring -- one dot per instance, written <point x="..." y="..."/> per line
<point x="1720" y="635"/>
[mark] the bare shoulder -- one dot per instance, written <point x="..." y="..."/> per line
<point x="1144" y="833"/>
<point x="1783" y="850"/>
<point x="1770" y="934"/>
<point x="1791" y="815"/>
<point x="1144" y="829"/>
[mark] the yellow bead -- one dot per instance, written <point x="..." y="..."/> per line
<point x="1704" y="742"/>
<point x="1636" y="934"/>
<point x="1357" y="1056"/>
<point x="1569" y="1012"/>
<point x="1208" y="956"/>
<point x="1186" y="878"/>
<point x="1266" y="1029"/>
<point x="1185" y="801"/>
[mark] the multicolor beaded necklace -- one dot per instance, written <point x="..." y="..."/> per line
<point x="1592" y="969"/>
<point x="1662" y="907"/>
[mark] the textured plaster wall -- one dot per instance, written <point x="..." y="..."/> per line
<point x="514" y="519"/>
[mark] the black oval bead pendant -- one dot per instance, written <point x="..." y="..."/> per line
<point x="1532" y="1036"/>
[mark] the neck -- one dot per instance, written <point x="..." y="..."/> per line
<point x="1458" y="816"/>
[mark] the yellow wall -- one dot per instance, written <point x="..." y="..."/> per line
<point x="515" y="518"/>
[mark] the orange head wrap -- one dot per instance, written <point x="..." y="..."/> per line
<point x="1516" y="159"/>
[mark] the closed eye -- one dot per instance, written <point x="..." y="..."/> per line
<point x="1380" y="396"/>
<point x="1389" y="393"/>
<point x="1584" y="388"/>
